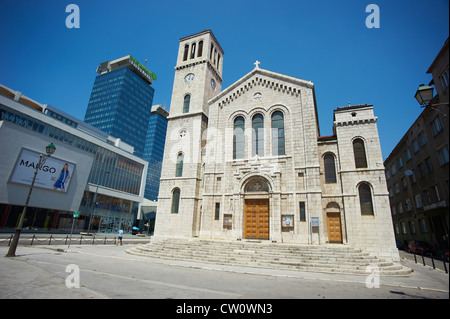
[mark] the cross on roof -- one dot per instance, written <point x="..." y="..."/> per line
<point x="257" y="63"/>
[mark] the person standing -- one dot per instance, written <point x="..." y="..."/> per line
<point x="120" y="237"/>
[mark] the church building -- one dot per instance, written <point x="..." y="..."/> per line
<point x="248" y="162"/>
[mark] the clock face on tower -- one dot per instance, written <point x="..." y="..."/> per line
<point x="189" y="78"/>
<point x="213" y="84"/>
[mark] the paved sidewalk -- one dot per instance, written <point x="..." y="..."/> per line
<point x="109" y="272"/>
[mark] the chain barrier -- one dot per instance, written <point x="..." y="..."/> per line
<point x="65" y="239"/>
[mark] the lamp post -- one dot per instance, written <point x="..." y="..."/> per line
<point x="424" y="95"/>
<point x="49" y="149"/>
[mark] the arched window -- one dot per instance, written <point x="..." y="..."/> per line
<point x="365" y="199"/>
<point x="258" y="135"/>
<point x="200" y="49"/>
<point x="359" y="153"/>
<point x="193" y="50"/>
<point x="330" y="169"/>
<point x="238" y="138"/>
<point x="278" y="134"/>
<point x="186" y="52"/>
<point x="175" y="200"/>
<point x="187" y="102"/>
<point x="179" y="170"/>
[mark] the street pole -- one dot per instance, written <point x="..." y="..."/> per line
<point x="13" y="246"/>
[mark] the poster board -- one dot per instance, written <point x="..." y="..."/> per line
<point x="50" y="175"/>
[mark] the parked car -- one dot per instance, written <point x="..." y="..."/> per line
<point x="400" y="245"/>
<point x="419" y="247"/>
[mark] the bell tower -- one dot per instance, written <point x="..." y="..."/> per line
<point x="198" y="78"/>
<point x="198" y="73"/>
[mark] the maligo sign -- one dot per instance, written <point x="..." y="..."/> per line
<point x="55" y="174"/>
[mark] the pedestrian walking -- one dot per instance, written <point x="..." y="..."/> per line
<point x="119" y="238"/>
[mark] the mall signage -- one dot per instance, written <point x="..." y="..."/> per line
<point x="55" y="174"/>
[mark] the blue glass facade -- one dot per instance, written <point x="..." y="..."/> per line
<point x="153" y="153"/>
<point x="120" y="105"/>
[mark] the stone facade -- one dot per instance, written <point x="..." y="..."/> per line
<point x="267" y="174"/>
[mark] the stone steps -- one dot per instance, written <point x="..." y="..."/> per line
<point x="315" y="258"/>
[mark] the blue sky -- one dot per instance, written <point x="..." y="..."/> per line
<point x="326" y="42"/>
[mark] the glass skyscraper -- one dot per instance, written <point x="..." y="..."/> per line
<point x="121" y="105"/>
<point x="154" y="149"/>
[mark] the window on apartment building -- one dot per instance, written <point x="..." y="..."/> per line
<point x="443" y="155"/>
<point x="408" y="154"/>
<point x="418" y="201"/>
<point x="423" y="226"/>
<point x="412" y="227"/>
<point x="416" y="146"/>
<point x="408" y="205"/>
<point x="422" y="139"/>
<point x="400" y="208"/>
<point x="429" y="164"/>
<point x="436" y="126"/>
<point x="403" y="225"/>
<point x="444" y="78"/>
<point x="400" y="162"/>
<point x="393" y="210"/>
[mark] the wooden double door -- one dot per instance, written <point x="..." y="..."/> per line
<point x="256" y="225"/>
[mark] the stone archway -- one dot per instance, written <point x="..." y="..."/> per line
<point x="256" y="208"/>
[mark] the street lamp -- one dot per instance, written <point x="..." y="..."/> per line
<point x="49" y="149"/>
<point x="424" y="95"/>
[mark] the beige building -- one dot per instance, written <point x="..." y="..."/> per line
<point x="248" y="162"/>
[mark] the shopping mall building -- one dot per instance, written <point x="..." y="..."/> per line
<point x="105" y="181"/>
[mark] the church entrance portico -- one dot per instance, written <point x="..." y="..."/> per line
<point x="256" y="209"/>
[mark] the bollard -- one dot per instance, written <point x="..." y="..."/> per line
<point x="445" y="267"/>
<point x="432" y="261"/>
<point x="81" y="238"/>
<point x="50" y="241"/>
<point x="32" y="240"/>
<point x="65" y="243"/>
<point x="415" y="258"/>
<point x="93" y="239"/>
<point x="104" y="243"/>
<point x="423" y="259"/>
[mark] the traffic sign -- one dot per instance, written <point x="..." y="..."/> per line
<point x="76" y="214"/>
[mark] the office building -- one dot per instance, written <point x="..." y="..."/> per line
<point x="121" y="105"/>
<point x="106" y="182"/>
